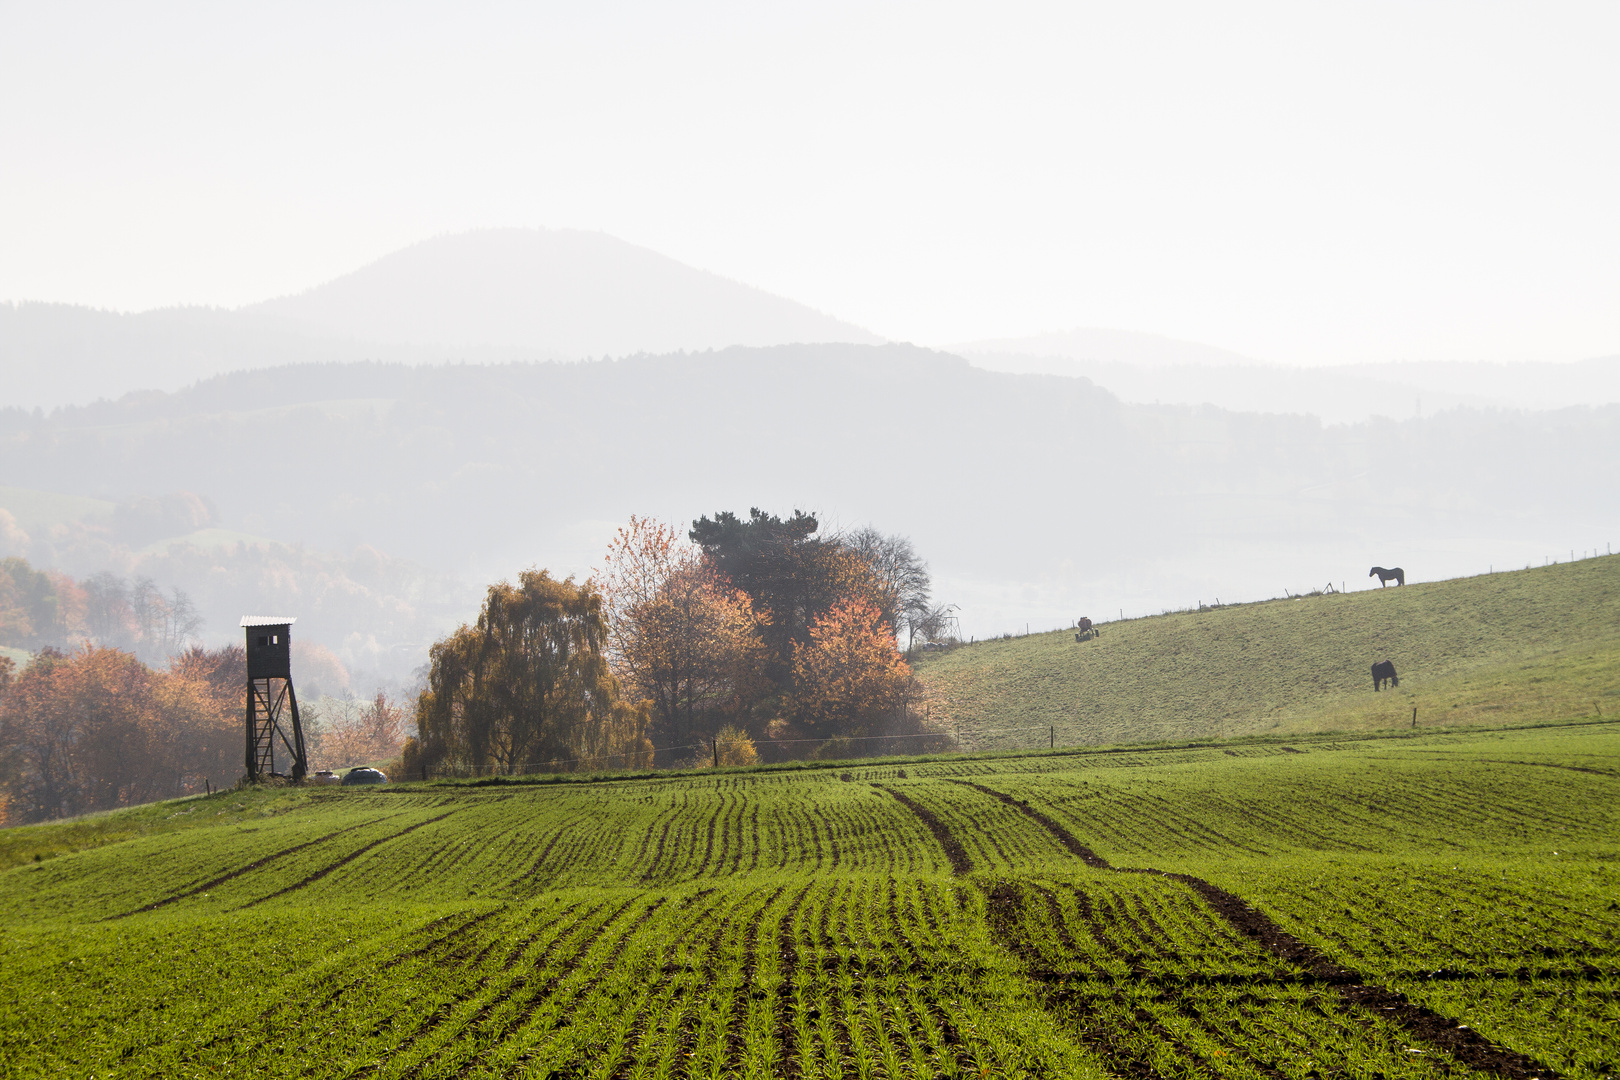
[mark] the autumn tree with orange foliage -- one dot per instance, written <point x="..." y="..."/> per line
<point x="791" y="574"/>
<point x="97" y="729"/>
<point x="848" y="677"/>
<point x="762" y="628"/>
<point x="679" y="634"/>
<point x="827" y="606"/>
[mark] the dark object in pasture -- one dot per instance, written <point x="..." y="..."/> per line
<point x="1397" y="575"/>
<point x="364" y="776"/>
<point x="1086" y="626"/>
<point x="1384" y="670"/>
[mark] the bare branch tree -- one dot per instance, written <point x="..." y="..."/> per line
<point x="903" y="577"/>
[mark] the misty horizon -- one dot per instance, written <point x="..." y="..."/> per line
<point x="1108" y="310"/>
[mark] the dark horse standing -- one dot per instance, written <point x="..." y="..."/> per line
<point x="1384" y="670"/>
<point x="1086" y="626"/>
<point x="1396" y="575"/>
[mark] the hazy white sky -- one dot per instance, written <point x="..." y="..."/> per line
<point x="1299" y="182"/>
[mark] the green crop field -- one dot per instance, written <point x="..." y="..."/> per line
<point x="1423" y="904"/>
<point x="1506" y="648"/>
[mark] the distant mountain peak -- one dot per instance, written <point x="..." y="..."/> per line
<point x="552" y="293"/>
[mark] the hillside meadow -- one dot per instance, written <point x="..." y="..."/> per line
<point x="1401" y="905"/>
<point x="1505" y="648"/>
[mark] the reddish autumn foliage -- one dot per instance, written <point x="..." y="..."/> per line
<point x="680" y="636"/>
<point x="849" y="677"/>
<point x="97" y="729"/>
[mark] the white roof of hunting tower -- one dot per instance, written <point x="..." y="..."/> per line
<point x="268" y="620"/>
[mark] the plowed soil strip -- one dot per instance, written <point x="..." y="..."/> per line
<point x="249" y="868"/>
<point x="954" y="851"/>
<point x="353" y="855"/>
<point x="1464" y="1044"/>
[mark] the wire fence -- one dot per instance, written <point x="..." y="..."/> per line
<point x="625" y="762"/>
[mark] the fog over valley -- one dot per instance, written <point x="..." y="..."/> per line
<point x="370" y="454"/>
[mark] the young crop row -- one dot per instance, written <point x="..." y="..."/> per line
<point x="1228" y="1010"/>
<point x="855" y="976"/>
<point x="867" y="922"/>
<point x="1099" y="953"/>
<point x="1341" y="801"/>
<point x="1391" y="916"/>
<point x="1531" y="960"/>
<point x="512" y="846"/>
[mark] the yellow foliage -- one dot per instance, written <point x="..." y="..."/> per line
<point x="734" y="747"/>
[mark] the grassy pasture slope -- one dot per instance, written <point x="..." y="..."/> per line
<point x="1505" y="648"/>
<point x="925" y="918"/>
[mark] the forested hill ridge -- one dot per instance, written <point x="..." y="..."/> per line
<point x="1526" y="646"/>
<point x="1036" y="498"/>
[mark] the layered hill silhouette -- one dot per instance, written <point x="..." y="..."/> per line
<point x="1036" y="498"/>
<point x="1151" y="369"/>
<point x="488" y="296"/>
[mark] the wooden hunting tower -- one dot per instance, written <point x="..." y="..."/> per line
<point x="272" y="705"/>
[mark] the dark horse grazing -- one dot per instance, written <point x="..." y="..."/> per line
<point x="1086" y="627"/>
<point x="1384" y="670"/>
<point x="1396" y="575"/>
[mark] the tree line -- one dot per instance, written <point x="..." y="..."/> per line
<point x="96" y="729"/>
<point x="745" y="638"/>
<point x="44" y="608"/>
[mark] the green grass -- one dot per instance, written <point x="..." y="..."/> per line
<point x="809" y="922"/>
<point x="1501" y="649"/>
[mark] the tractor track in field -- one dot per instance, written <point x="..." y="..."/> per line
<point x="1354" y="989"/>
<point x="310" y="879"/>
<point x="1550" y="765"/>
<point x="961" y="864"/>
<point x="248" y="869"/>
